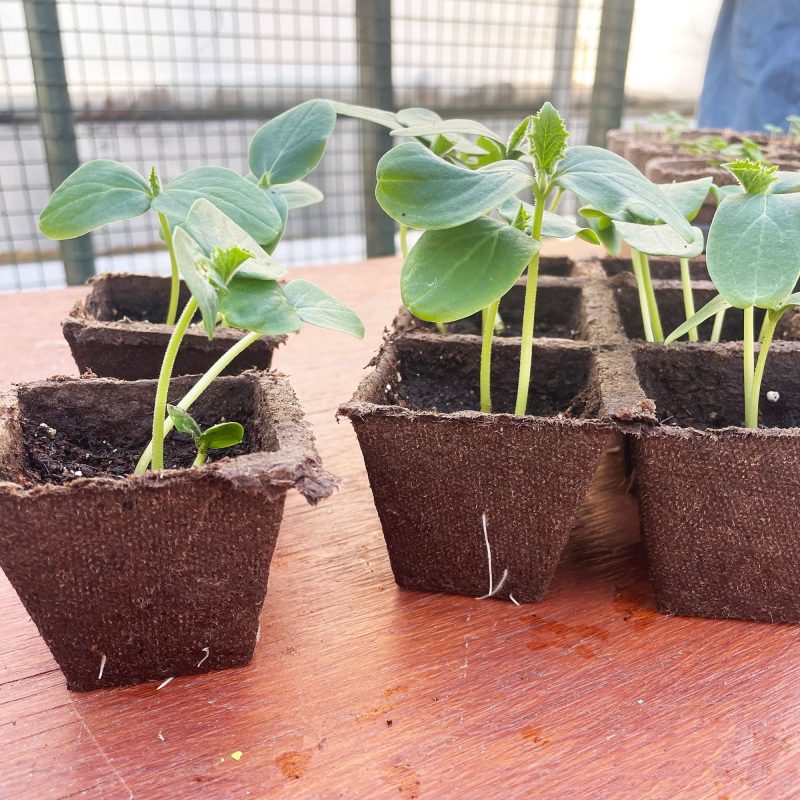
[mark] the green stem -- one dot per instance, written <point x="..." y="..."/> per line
<point x="202" y="454"/>
<point x="191" y="396"/>
<point x="767" y="332"/>
<point x="167" y="366"/>
<point x="644" y="306"/>
<point x="750" y="415"/>
<point x="719" y="319"/>
<point x="487" y="319"/>
<point x="556" y="201"/>
<point x="655" y="317"/>
<point x="175" y="283"/>
<point x="688" y="298"/>
<point x="404" y="241"/>
<point x="528" y="314"/>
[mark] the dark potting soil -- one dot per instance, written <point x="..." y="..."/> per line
<point x="141" y="298"/>
<point x="65" y="442"/>
<point x="444" y="376"/>
<point x="660" y="268"/>
<point x="701" y="387"/>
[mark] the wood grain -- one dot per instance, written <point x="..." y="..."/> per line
<point x="360" y="690"/>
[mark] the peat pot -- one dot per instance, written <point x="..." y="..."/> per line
<point x="451" y="484"/>
<point x="118" y="332"/>
<point x="718" y="502"/>
<point x="135" y="579"/>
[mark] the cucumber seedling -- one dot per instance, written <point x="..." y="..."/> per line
<point x="217" y="437"/>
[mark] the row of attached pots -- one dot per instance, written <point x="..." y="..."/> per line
<point x="479" y="504"/>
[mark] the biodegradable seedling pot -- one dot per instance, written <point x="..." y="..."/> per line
<point x="136" y="579"/>
<point x="438" y="471"/>
<point x="118" y="332"/>
<point x="660" y="268"/>
<point x="718" y="501"/>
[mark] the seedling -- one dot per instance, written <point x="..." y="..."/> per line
<point x="752" y="259"/>
<point x="717" y="150"/>
<point x="479" y="237"/>
<point x="233" y="282"/>
<point x="282" y="151"/>
<point x="673" y="123"/>
<point x="217" y="437"/>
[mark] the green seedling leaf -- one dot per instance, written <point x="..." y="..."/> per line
<point x="423" y="191"/>
<point x="183" y="421"/>
<point x="710" y="309"/>
<point x="95" y="194"/>
<point x="316" y="307"/>
<point x="217" y="437"/>
<point x="492" y="152"/>
<point x="441" y="145"/>
<point x="754" y="176"/>
<point x="446" y="127"/>
<point x="753" y="248"/>
<point x="211" y="228"/>
<point x="298" y="194"/>
<point x="518" y="144"/>
<point x="721" y="192"/>
<point x="450" y="274"/>
<point x="687" y="196"/>
<point x="408" y="117"/>
<point x="607" y="233"/>
<point x="660" y="240"/>
<point x="253" y="304"/>
<point x="608" y="183"/>
<point x="785" y="182"/>
<point x="195" y="268"/>
<point x="288" y="147"/>
<point x="386" y="118"/>
<point x="553" y="225"/>
<point x="245" y="204"/>
<point x="548" y="139"/>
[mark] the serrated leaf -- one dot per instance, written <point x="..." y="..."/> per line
<point x="518" y="139"/>
<point x="183" y="421"/>
<point x="386" y="118"/>
<point x="754" y="176"/>
<point x="710" y="309"/>
<point x="299" y="194"/>
<point x="288" y="147"/>
<point x="195" y="268"/>
<point x="423" y="191"/>
<point x="548" y="138"/>
<point x="257" y="305"/>
<point x="97" y="193"/>
<point x="316" y="307"/>
<point x="239" y="199"/>
<point x="446" y="127"/>
<point x="450" y="274"/>
<point x="753" y="247"/>
<point x="660" y="240"/>
<point x="224" y="434"/>
<point x="608" y="183"/>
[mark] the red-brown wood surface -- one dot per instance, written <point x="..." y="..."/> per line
<point x="361" y="690"/>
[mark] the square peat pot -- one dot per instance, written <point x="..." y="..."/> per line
<point x="118" y="332"/>
<point x="135" y="579"/>
<point x="439" y="470"/>
<point x="718" y="502"/>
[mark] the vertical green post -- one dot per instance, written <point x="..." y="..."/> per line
<point x="374" y="36"/>
<point x="56" y="121"/>
<point x="608" y="93"/>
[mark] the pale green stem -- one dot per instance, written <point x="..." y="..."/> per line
<point x="191" y="396"/>
<point x="750" y="415"/>
<point x="644" y="306"/>
<point x="167" y="365"/>
<point x="202" y="454"/>
<point x="688" y="298"/>
<point x="175" y="282"/>
<point x="529" y="312"/>
<point x="487" y="319"/>
<point x="716" y="331"/>
<point x="767" y="332"/>
<point x="499" y="325"/>
<point x="655" y="317"/>
<point x="556" y="201"/>
<point x="404" y="241"/>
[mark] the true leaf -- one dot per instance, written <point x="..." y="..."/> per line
<point x="195" y="268"/>
<point x="517" y="143"/>
<point x="754" y="176"/>
<point x="708" y="310"/>
<point x="289" y="146"/>
<point x="548" y="138"/>
<point x="224" y="434"/>
<point x="97" y="193"/>
<point x="316" y="307"/>
<point x="258" y="305"/>
<point x="753" y="250"/>
<point x="235" y="196"/>
<point x="450" y="274"/>
<point x="299" y="194"/>
<point x="660" y="240"/>
<point x="610" y="184"/>
<point x="423" y="191"/>
<point x="183" y="421"/>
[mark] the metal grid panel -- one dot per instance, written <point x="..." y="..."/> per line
<point x="178" y="83"/>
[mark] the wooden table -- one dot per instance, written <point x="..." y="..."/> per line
<point x="361" y="690"/>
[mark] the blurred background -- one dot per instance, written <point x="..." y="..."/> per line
<point x="182" y="83"/>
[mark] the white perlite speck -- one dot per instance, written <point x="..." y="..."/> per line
<point x="773" y="397"/>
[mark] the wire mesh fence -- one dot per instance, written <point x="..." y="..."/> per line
<point x="181" y="83"/>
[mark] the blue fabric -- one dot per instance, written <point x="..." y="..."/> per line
<point x="753" y="73"/>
